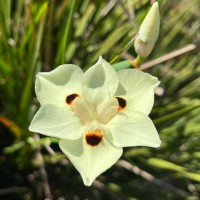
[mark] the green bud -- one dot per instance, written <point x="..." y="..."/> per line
<point x="148" y="32"/>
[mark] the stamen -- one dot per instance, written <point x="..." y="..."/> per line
<point x="93" y="138"/>
<point x="70" y="98"/>
<point x="121" y="102"/>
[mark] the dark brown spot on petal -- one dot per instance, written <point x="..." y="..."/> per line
<point x="93" y="138"/>
<point x="121" y="102"/>
<point x="70" y="98"/>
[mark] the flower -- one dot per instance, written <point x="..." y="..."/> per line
<point x="148" y="32"/>
<point x="95" y="113"/>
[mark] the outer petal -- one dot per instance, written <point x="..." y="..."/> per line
<point x="137" y="130"/>
<point x="90" y="161"/>
<point x="53" y="87"/>
<point x="137" y="88"/>
<point x="102" y="77"/>
<point x="57" y="122"/>
<point x="99" y="85"/>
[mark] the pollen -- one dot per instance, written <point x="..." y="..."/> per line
<point x="70" y="98"/>
<point x="121" y="102"/>
<point x="94" y="137"/>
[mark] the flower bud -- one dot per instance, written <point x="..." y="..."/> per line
<point x="148" y="32"/>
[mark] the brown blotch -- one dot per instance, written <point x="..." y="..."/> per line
<point x="121" y="102"/>
<point x="70" y="98"/>
<point x="94" y="138"/>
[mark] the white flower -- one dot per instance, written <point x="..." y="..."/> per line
<point x="95" y="113"/>
<point x="148" y="32"/>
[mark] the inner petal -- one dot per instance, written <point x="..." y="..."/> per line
<point x="94" y="137"/>
<point x="106" y="110"/>
<point x="83" y="110"/>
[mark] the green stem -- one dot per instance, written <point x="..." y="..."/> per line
<point x="138" y="60"/>
<point x="122" y="65"/>
<point x="127" y="63"/>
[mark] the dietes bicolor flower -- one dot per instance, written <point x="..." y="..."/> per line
<point x="96" y="113"/>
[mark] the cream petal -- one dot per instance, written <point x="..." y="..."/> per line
<point x="137" y="88"/>
<point x="134" y="130"/>
<point x="106" y="110"/>
<point x="90" y="161"/>
<point x="83" y="110"/>
<point x="54" y="121"/>
<point x="53" y="87"/>
<point x="102" y="110"/>
<point x="101" y="76"/>
<point x="99" y="84"/>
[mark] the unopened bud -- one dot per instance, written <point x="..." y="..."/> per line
<point x="148" y="32"/>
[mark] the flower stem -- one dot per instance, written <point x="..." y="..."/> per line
<point x="128" y="64"/>
<point x="122" y="65"/>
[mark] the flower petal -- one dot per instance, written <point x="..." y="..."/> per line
<point x="101" y="76"/>
<point x="135" y="130"/>
<point x="53" y="87"/>
<point x="90" y="161"/>
<point x="83" y="110"/>
<point x="103" y="111"/>
<point x="106" y="110"/>
<point x="99" y="84"/>
<point x="137" y="88"/>
<point x="57" y="122"/>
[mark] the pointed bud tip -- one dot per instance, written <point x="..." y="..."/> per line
<point x="155" y="4"/>
<point x="155" y="7"/>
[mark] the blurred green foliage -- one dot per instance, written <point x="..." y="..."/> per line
<point x="40" y="35"/>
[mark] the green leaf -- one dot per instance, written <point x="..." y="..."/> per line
<point x="163" y="164"/>
<point x="192" y="176"/>
<point x="175" y="114"/>
<point x="26" y="93"/>
<point x="60" y="57"/>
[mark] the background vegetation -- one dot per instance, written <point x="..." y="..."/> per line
<point x="40" y="35"/>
